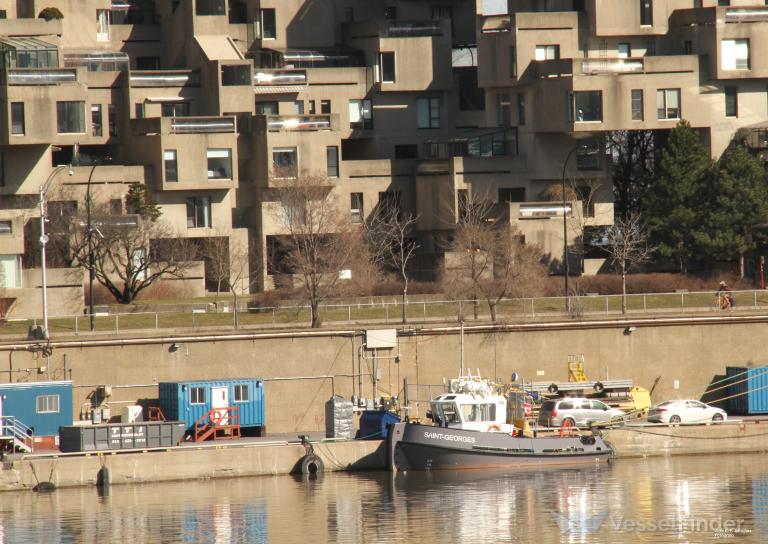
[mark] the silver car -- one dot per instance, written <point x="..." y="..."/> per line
<point x="579" y="412"/>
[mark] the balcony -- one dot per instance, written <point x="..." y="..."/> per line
<point x="278" y="123"/>
<point x="98" y="61"/>
<point x="202" y="125"/>
<point x="395" y="28"/>
<point x="279" y="81"/>
<point x="746" y="15"/>
<point x="494" y="144"/>
<point x="611" y="66"/>
<point x="165" y="78"/>
<point x="663" y="64"/>
<point x="36" y="76"/>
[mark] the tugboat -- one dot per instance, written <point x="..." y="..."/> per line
<point x="473" y="427"/>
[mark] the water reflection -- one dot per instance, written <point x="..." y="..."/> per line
<point x="654" y="500"/>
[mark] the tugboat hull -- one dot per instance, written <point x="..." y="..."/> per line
<point x="424" y="447"/>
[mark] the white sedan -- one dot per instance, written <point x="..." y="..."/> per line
<point x="685" y="411"/>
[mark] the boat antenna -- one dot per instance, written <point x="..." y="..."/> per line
<point x="461" y="341"/>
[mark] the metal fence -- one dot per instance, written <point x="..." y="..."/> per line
<point x="390" y="310"/>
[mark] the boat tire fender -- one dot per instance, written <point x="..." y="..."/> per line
<point x="553" y="389"/>
<point x="311" y="464"/>
<point x="588" y="440"/>
<point x="598" y="387"/>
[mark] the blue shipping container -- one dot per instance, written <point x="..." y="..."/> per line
<point x="748" y="389"/>
<point x="189" y="401"/>
<point x="41" y="406"/>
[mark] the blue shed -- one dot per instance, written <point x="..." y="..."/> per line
<point x="41" y="406"/>
<point x="188" y="401"/>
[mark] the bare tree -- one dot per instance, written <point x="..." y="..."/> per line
<point x="239" y="276"/>
<point x="321" y="241"/>
<point x="130" y="252"/>
<point x="626" y="243"/>
<point x="388" y="235"/>
<point x="517" y="269"/>
<point x="215" y="251"/>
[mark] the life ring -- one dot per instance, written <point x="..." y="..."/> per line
<point x="598" y="387"/>
<point x="311" y="464"/>
<point x="528" y="409"/>
<point x="494" y="427"/>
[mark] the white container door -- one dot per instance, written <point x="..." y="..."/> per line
<point x="220" y="399"/>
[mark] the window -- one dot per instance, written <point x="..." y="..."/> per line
<point x="219" y="163"/>
<point x="332" y="161"/>
<point x="406" y="151"/>
<point x="174" y="109"/>
<point x="70" y="117"/>
<point x="285" y="163"/>
<point x="735" y="55"/>
<point x="511" y="194"/>
<point x="391" y="200"/>
<point x="298" y="107"/>
<point x="646" y="12"/>
<point x="547" y="52"/>
<point x="731" y="102"/>
<point x="503" y="109"/>
<point x="520" y="109"/>
<point x="687" y="47"/>
<point x="266" y="108"/>
<point x="242" y="393"/>
<point x="47" y="404"/>
<point x="139" y="110"/>
<point x="236" y="75"/>
<point x="17" y="118"/>
<point x="356" y="207"/>
<point x="210" y="7"/>
<point x="171" y="166"/>
<point x="112" y="119"/>
<point x="96" y="120"/>
<point x="624" y="50"/>
<point x="268" y="24"/>
<point x="387" y="66"/>
<point x="586" y="195"/>
<point x="6" y="227"/>
<point x="198" y="212"/>
<point x="428" y="112"/>
<point x="325" y="107"/>
<point x="10" y="271"/>
<point x="668" y="103"/>
<point x="102" y="25"/>
<point x="723" y="2"/>
<point x="512" y="62"/>
<point x="147" y="63"/>
<point x="360" y="114"/>
<point x="587" y="106"/>
<point x="588" y="156"/>
<point x="312" y="107"/>
<point x="637" y="104"/>
<point x="197" y="395"/>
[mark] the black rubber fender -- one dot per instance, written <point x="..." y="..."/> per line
<point x="598" y="387"/>
<point x="553" y="389"/>
<point x="588" y="440"/>
<point x="311" y="464"/>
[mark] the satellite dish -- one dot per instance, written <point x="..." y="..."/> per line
<point x="515" y="377"/>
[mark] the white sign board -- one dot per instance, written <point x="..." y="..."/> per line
<point x="381" y="339"/>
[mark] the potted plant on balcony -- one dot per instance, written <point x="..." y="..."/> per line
<point x="50" y="13"/>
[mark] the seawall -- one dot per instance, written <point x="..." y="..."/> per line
<point x="303" y="369"/>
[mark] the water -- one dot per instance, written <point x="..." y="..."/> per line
<point x="684" y="499"/>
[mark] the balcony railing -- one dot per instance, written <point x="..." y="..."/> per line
<point x="411" y="29"/>
<point x="746" y="15"/>
<point x="166" y="78"/>
<point x="202" y="125"/>
<point x="276" y="123"/>
<point x="494" y="144"/>
<point x="279" y="81"/>
<point x="611" y="66"/>
<point x="44" y="76"/>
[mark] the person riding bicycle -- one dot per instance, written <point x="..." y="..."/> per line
<point x="724" y="297"/>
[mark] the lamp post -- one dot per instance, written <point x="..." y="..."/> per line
<point x="565" y="226"/>
<point x="44" y="240"/>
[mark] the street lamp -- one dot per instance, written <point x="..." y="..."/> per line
<point x="578" y="147"/>
<point x="44" y="239"/>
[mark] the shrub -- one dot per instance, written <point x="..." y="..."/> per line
<point x="50" y="13"/>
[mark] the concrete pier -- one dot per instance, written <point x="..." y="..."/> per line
<point x="231" y="460"/>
